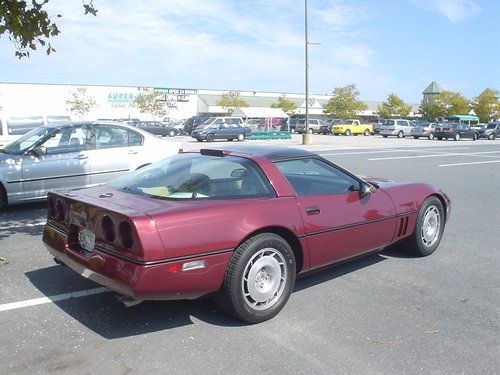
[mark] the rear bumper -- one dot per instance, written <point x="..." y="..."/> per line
<point x="158" y="281"/>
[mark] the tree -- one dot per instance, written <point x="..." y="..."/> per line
<point x="486" y="106"/>
<point x="286" y="105"/>
<point x="80" y="102"/>
<point x="147" y="102"/>
<point x="444" y="104"/>
<point x="230" y="100"/>
<point x="394" y="107"/>
<point x="344" y="103"/>
<point x="30" y="25"/>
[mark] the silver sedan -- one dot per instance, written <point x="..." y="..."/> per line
<point x="73" y="155"/>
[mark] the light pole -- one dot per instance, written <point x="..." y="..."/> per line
<point x="306" y="137"/>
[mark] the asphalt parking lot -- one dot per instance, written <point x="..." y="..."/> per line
<point x="383" y="314"/>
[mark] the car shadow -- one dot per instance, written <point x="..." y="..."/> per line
<point x="23" y="219"/>
<point x="109" y="318"/>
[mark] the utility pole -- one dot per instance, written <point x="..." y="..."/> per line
<point x="306" y="137"/>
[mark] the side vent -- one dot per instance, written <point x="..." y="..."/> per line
<point x="403" y="226"/>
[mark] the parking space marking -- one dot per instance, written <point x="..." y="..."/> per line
<point x="50" y="299"/>
<point x="479" y="154"/>
<point x="392" y="150"/>
<point x="469" y="163"/>
<point x="15" y="226"/>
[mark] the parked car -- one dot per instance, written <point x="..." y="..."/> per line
<point x="292" y="124"/>
<point x="238" y="222"/>
<point x="193" y="122"/>
<point x="396" y="127"/>
<point x="490" y="131"/>
<point x="221" y="131"/>
<point x="348" y="127"/>
<point x="376" y="126"/>
<point x="74" y="155"/>
<point x="456" y="131"/>
<point x="424" y="129"/>
<point x="220" y="121"/>
<point x="314" y="126"/>
<point x="157" y="128"/>
<point x="326" y="128"/>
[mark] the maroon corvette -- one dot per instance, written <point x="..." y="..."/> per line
<point x="238" y="223"/>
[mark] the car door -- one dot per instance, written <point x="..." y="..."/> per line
<point x="61" y="163"/>
<point x="339" y="223"/>
<point x="115" y="152"/>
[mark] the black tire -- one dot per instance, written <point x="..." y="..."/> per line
<point x="431" y="136"/>
<point x="241" y="137"/>
<point x="347" y="133"/>
<point x="401" y="134"/>
<point x="456" y="137"/>
<point x="366" y="133"/>
<point x="199" y="140"/>
<point x="428" y="229"/>
<point x="310" y="130"/>
<point x="385" y="136"/>
<point x="491" y="136"/>
<point x="3" y="198"/>
<point x="416" y="137"/>
<point x="210" y="137"/>
<point x="171" y="133"/>
<point x="230" y="139"/>
<point x="475" y="137"/>
<point x="439" y="138"/>
<point x="261" y="271"/>
<point x="292" y="130"/>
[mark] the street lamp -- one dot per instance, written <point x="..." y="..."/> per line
<point x="306" y="137"/>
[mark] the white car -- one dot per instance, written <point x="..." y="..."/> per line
<point x="69" y="155"/>
<point x="396" y="127"/>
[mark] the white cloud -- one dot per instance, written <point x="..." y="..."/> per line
<point x="454" y="10"/>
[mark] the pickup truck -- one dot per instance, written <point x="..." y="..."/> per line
<point x="348" y="127"/>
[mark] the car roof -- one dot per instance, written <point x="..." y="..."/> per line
<point x="273" y="153"/>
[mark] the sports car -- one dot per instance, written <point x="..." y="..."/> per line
<point x="238" y="223"/>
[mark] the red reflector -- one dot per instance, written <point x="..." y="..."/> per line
<point x="173" y="268"/>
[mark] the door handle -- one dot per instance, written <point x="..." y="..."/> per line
<point x="312" y="210"/>
<point x="81" y="157"/>
<point x="132" y="152"/>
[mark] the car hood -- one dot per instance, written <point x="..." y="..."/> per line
<point x="8" y="159"/>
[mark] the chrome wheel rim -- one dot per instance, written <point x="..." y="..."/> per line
<point x="431" y="225"/>
<point x="264" y="279"/>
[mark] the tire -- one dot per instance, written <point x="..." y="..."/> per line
<point x="310" y="131"/>
<point x="491" y="136"/>
<point x="347" y="133"/>
<point x="428" y="229"/>
<point x="416" y="137"/>
<point x="171" y="133"/>
<point x="230" y="139"/>
<point x="210" y="137"/>
<point x="366" y="133"/>
<point x="3" y="198"/>
<point x="439" y="138"/>
<point x="292" y="130"/>
<point x="431" y="136"/>
<point x="241" y="137"/>
<point x="199" y="140"/>
<point x="259" y="279"/>
<point x="385" y="136"/>
<point x="401" y="134"/>
<point x="475" y="137"/>
<point x="456" y="137"/>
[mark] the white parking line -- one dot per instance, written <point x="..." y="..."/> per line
<point x="393" y="150"/>
<point x="484" y="153"/>
<point x="15" y="226"/>
<point x="57" y="298"/>
<point x="470" y="163"/>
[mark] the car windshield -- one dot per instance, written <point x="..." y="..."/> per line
<point x="388" y="122"/>
<point x="195" y="176"/>
<point x="27" y="141"/>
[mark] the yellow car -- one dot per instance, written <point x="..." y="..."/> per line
<point x="355" y="127"/>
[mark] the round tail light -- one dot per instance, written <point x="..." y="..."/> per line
<point x="126" y="234"/>
<point x="108" y="229"/>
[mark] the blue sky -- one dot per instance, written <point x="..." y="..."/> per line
<point x="382" y="46"/>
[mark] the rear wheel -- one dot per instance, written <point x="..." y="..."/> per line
<point x="292" y="130"/>
<point x="366" y="132"/>
<point x="428" y="228"/>
<point x="171" y="133"/>
<point x="456" y="137"/>
<point x="439" y="138"/>
<point x="259" y="279"/>
<point x="431" y="136"/>
<point x="241" y="137"/>
<point x="210" y="137"/>
<point x="3" y="198"/>
<point x="474" y="137"/>
<point x="347" y="133"/>
<point x="310" y="131"/>
<point x="491" y="136"/>
<point x="401" y="134"/>
<point x="385" y="136"/>
<point x="416" y="137"/>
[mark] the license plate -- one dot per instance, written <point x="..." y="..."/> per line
<point x="86" y="239"/>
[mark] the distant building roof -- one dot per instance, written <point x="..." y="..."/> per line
<point x="433" y="88"/>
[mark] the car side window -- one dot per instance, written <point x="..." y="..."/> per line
<point x="110" y="137"/>
<point x="134" y="139"/>
<point x="316" y="177"/>
<point x="72" y="139"/>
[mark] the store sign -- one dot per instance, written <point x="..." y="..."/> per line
<point x="120" y="99"/>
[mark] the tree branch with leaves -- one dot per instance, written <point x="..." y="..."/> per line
<point x="344" y="103"/>
<point x="147" y="102"/>
<point x="80" y="102"/>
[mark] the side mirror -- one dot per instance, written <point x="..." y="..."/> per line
<point x="39" y="151"/>
<point x="366" y="189"/>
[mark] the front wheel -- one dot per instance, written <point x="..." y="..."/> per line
<point x="210" y="137"/>
<point x="171" y="133"/>
<point x="401" y="134"/>
<point x="259" y="279"/>
<point x="241" y="137"/>
<point x="310" y="131"/>
<point x="491" y="136"/>
<point x="385" y="136"/>
<point x="3" y="198"/>
<point x="428" y="229"/>
<point x="347" y="133"/>
<point x="292" y="130"/>
<point x="416" y="136"/>
<point x="366" y="132"/>
<point x="474" y="137"/>
<point x="456" y="137"/>
<point x="431" y="136"/>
